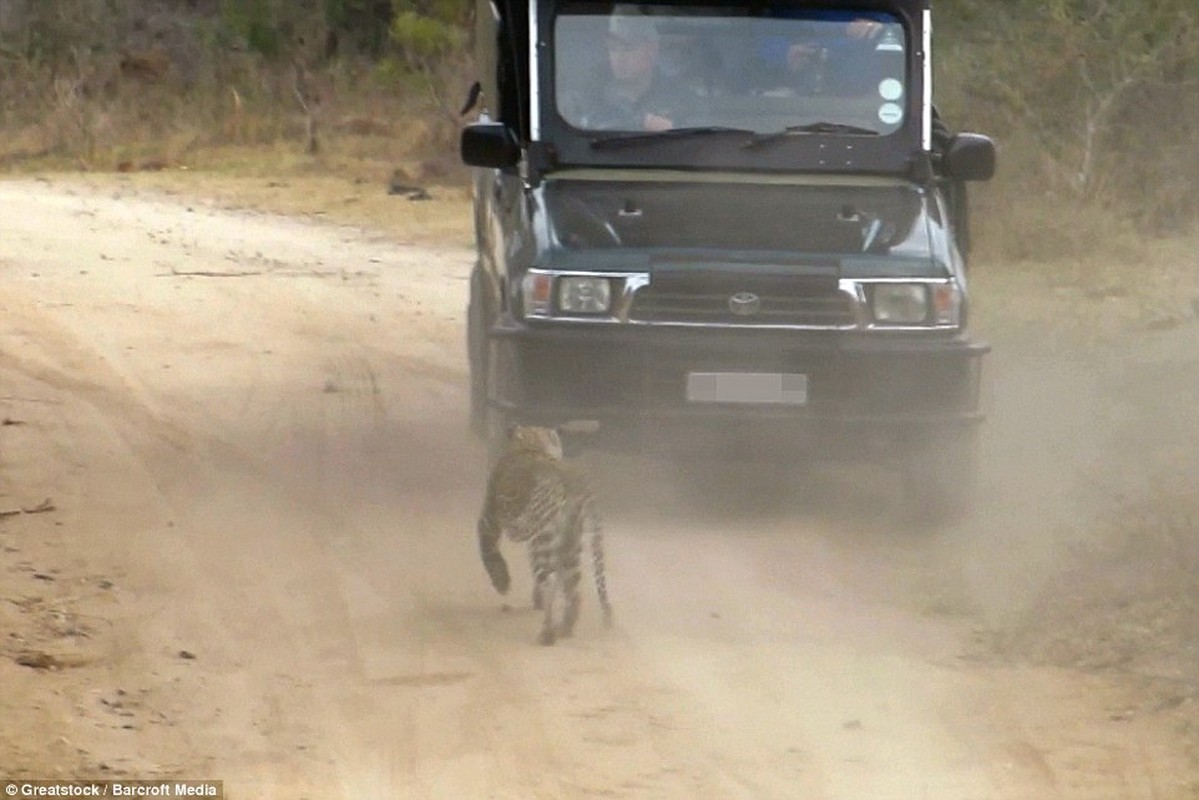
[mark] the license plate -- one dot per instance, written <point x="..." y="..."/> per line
<point x="747" y="387"/>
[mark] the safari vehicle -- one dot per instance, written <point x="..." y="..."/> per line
<point x="778" y="266"/>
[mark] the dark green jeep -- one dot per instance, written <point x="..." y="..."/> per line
<point x="708" y="222"/>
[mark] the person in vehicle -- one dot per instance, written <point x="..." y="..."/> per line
<point x="632" y="93"/>
<point x="830" y="64"/>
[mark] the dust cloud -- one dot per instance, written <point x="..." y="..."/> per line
<point x="288" y="491"/>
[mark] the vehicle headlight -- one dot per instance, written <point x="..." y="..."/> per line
<point x="584" y="295"/>
<point x="899" y="303"/>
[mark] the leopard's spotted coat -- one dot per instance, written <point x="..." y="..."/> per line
<point x="534" y="496"/>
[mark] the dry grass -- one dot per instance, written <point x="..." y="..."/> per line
<point x="245" y="145"/>
<point x="280" y="179"/>
<point x="1135" y="284"/>
<point x="1123" y="596"/>
<point x="1127" y="602"/>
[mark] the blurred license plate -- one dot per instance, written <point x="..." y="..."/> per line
<point x="747" y="387"/>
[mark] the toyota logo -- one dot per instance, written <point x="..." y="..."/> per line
<point x="745" y="304"/>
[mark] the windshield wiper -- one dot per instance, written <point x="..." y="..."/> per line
<point x="624" y="139"/>
<point x="811" y="127"/>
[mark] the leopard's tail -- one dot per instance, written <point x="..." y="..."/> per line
<point x="489" y="550"/>
<point x="593" y="525"/>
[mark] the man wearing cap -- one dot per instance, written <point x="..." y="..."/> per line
<point x="633" y="94"/>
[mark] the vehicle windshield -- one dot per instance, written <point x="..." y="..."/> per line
<point x="761" y="68"/>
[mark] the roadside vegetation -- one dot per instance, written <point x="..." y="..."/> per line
<point x="1094" y="103"/>
<point x="244" y="87"/>
<point x="1091" y="226"/>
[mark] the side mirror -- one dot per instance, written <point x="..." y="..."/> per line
<point x="969" y="157"/>
<point x="489" y="144"/>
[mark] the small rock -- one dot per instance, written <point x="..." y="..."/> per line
<point x="397" y="186"/>
<point x="187" y="655"/>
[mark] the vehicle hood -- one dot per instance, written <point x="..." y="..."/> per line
<point x="635" y="222"/>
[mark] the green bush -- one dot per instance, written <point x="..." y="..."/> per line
<point x="254" y="22"/>
<point x="424" y="38"/>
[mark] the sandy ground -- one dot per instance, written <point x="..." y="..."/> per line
<point x="237" y="544"/>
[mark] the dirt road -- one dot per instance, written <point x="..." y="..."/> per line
<point x="257" y="560"/>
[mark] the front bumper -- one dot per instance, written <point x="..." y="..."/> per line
<point x="634" y="379"/>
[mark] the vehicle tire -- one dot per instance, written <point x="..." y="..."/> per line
<point x="940" y="479"/>
<point x="477" y="322"/>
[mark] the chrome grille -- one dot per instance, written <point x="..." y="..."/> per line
<point x="704" y="298"/>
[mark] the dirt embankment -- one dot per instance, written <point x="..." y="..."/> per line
<point x="236" y="543"/>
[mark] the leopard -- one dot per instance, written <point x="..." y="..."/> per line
<point x="536" y="497"/>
